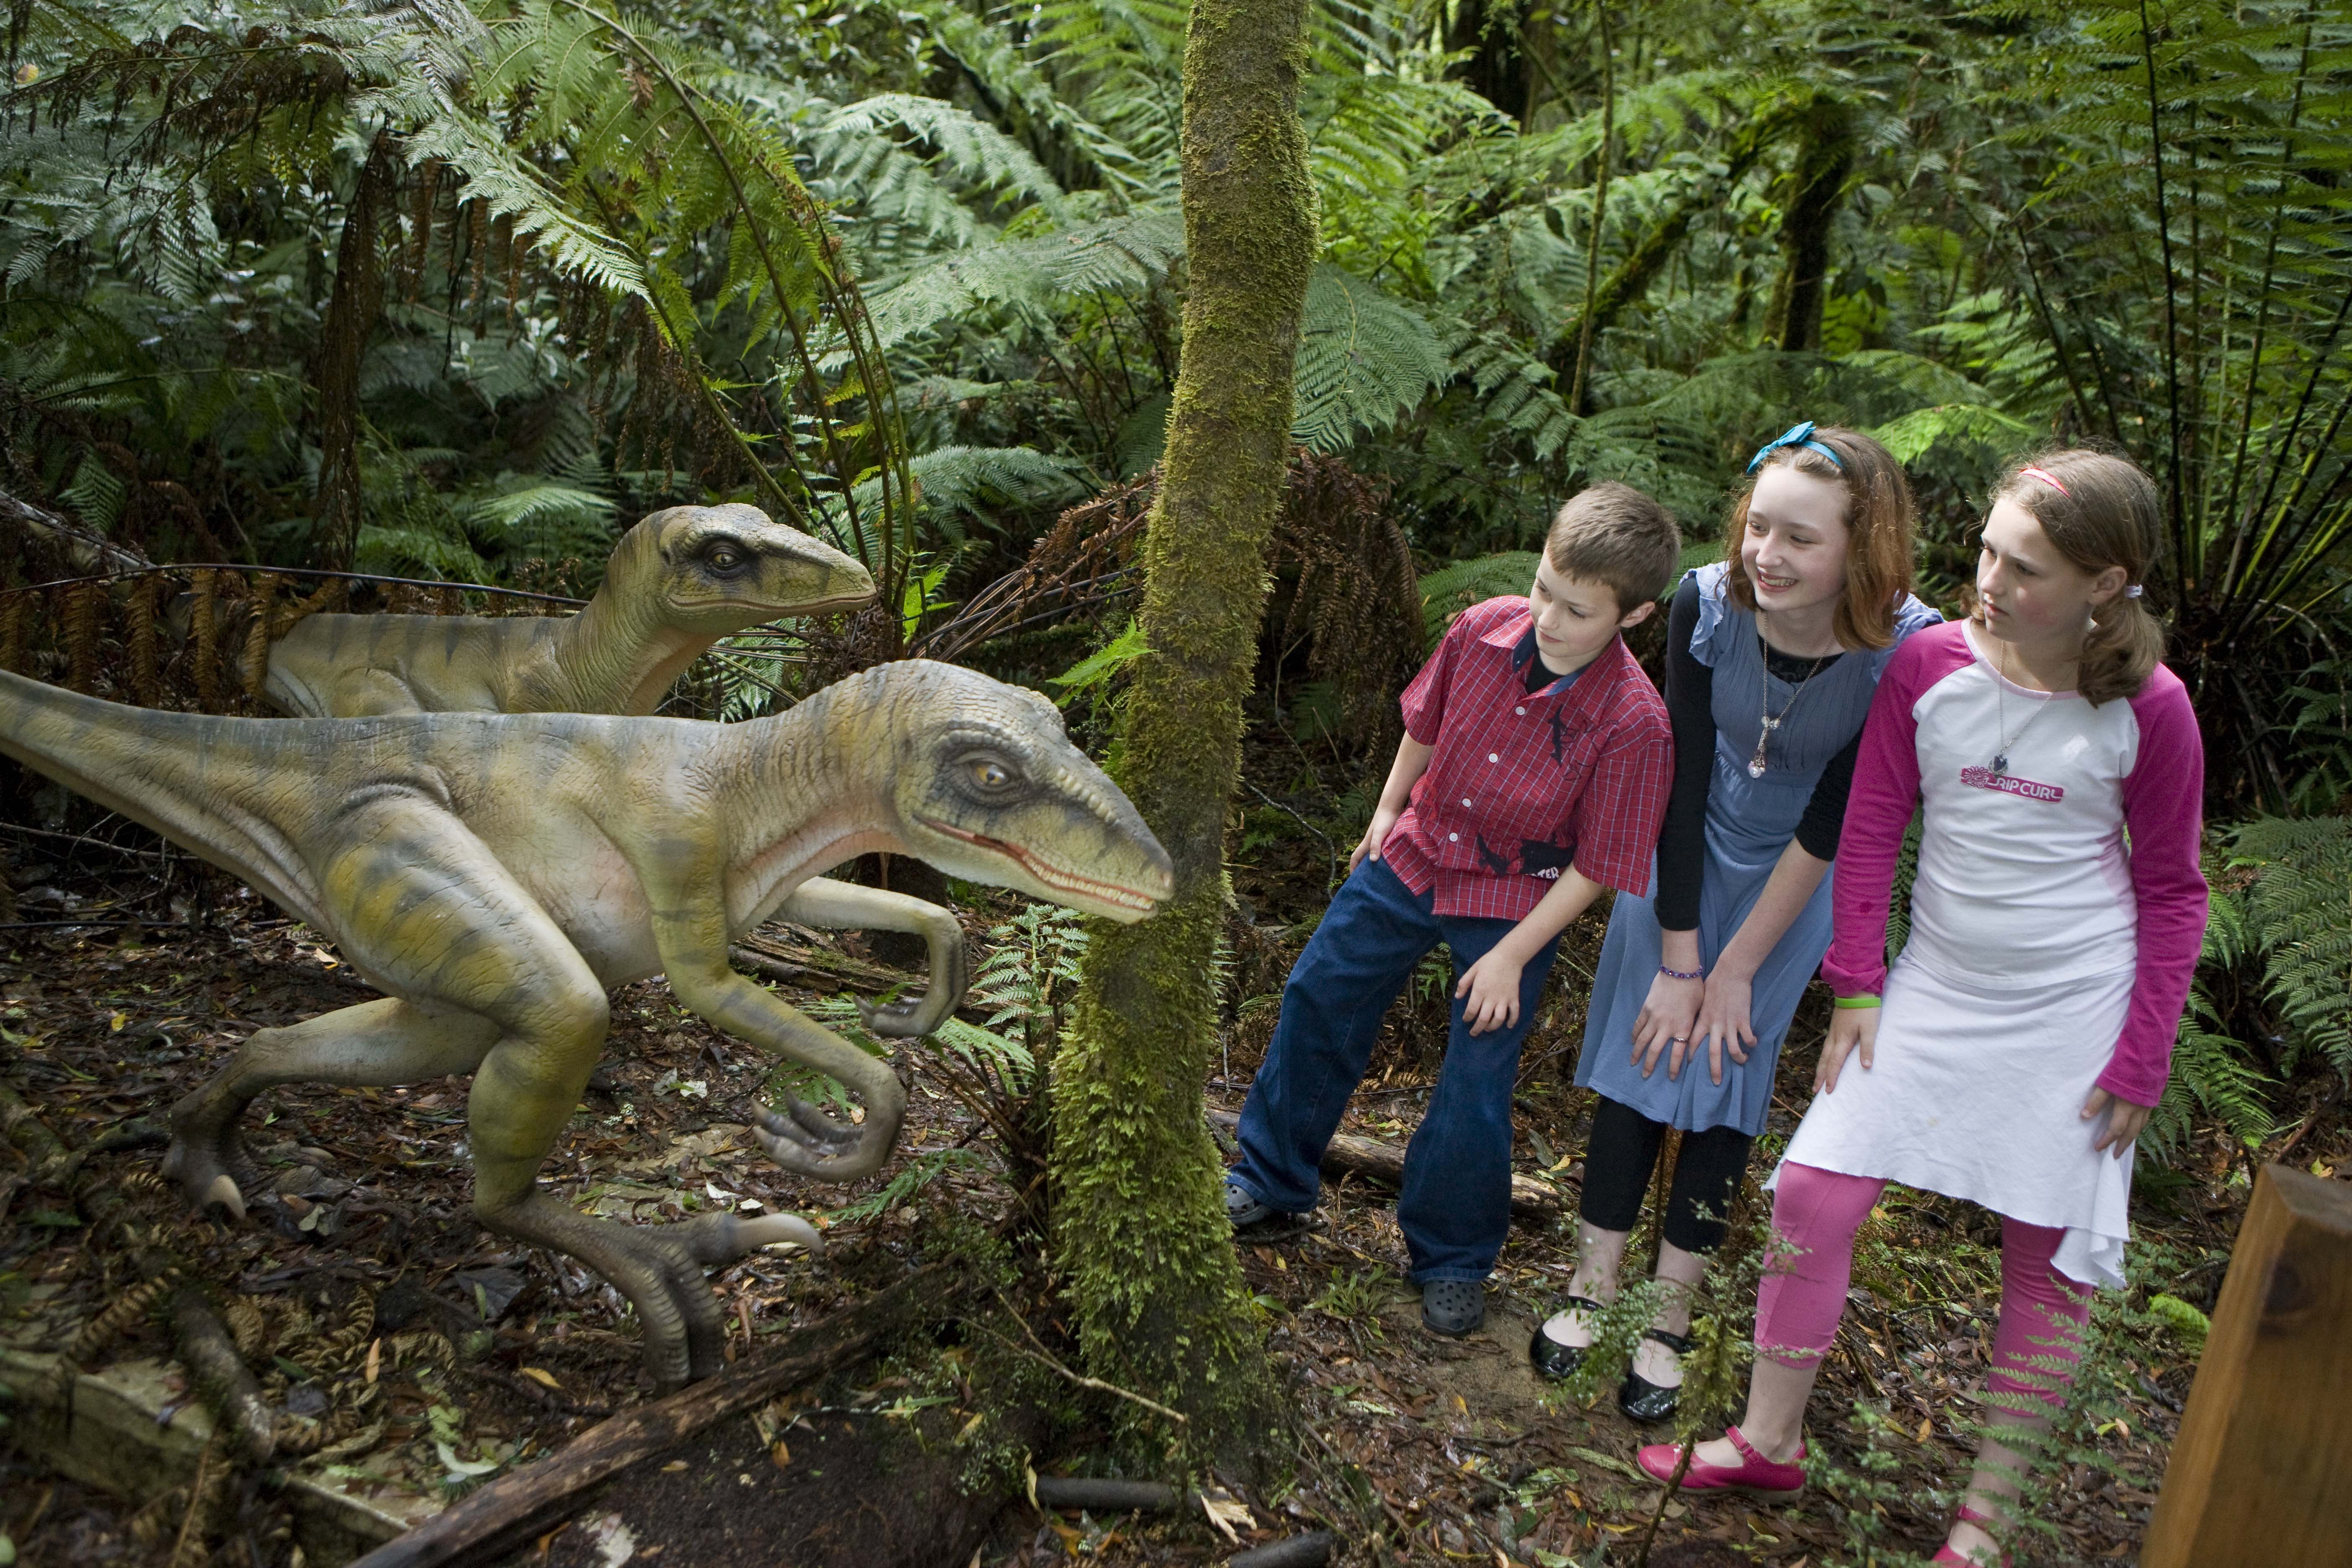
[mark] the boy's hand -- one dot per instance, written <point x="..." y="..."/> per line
<point x="1374" y="836"/>
<point x="1493" y="987"/>
<point x="1849" y="1027"/>
<point x="2124" y="1120"/>
<point x="1666" y="1019"/>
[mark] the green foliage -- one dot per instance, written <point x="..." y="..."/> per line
<point x="1449" y="590"/>
<point x="2298" y="916"/>
<point x="1365" y="360"/>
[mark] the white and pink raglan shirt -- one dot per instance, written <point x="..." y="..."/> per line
<point x="2055" y="923"/>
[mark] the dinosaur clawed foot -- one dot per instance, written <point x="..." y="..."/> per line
<point x="659" y="1270"/>
<point x="808" y="1142"/>
<point x="206" y="1158"/>
<point x="720" y="1238"/>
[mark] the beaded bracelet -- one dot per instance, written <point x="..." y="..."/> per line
<point x="1678" y="974"/>
<point x="1863" y="1001"/>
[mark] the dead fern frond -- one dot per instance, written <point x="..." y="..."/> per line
<point x="138" y="620"/>
<point x="255" y="665"/>
<point x="423" y="1347"/>
<point x="208" y="1493"/>
<point x="203" y="623"/>
<point x="246" y="1326"/>
<point x="153" y="1522"/>
<point x="16" y="632"/>
<point x="342" y="1349"/>
<point x="81" y="620"/>
<point x="100" y="1333"/>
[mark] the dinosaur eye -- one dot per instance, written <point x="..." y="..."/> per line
<point x="991" y="774"/>
<point x="723" y="558"/>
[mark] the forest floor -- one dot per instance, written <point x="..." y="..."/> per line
<point x="1436" y="1450"/>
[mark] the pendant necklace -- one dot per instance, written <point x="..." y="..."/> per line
<point x="2000" y="716"/>
<point x="1767" y="721"/>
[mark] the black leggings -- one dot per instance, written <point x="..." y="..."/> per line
<point x="1624" y="1151"/>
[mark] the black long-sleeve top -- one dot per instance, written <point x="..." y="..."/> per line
<point x="1690" y="703"/>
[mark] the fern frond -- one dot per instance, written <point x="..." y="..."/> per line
<point x="1365" y="360"/>
<point x="1449" y="590"/>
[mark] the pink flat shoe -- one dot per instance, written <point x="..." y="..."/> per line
<point x="1946" y="1554"/>
<point x="1755" y="1475"/>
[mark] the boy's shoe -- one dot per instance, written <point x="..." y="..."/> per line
<point x="1453" y="1307"/>
<point x="1755" y="1475"/>
<point x="1254" y="1219"/>
<point x="1554" y="1359"/>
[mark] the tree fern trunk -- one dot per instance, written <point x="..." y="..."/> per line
<point x="351" y="311"/>
<point x="1140" y="1223"/>
<point x="1824" y="157"/>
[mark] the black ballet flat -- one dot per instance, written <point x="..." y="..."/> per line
<point x="1553" y="1359"/>
<point x="1645" y="1401"/>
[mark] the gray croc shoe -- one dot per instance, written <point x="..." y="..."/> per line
<point x="1453" y="1307"/>
<point x="1243" y="1208"/>
<point x="1255" y="1220"/>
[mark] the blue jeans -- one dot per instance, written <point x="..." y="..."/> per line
<point x="1455" y="1209"/>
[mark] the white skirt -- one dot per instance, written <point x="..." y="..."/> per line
<point x="1978" y="1094"/>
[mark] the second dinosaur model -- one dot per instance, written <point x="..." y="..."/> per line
<point x="494" y="875"/>
<point x="677" y="581"/>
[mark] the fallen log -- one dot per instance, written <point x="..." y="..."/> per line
<point x="1348" y="1155"/>
<point x="514" y="1508"/>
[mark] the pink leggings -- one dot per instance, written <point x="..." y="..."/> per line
<point x="1816" y="1212"/>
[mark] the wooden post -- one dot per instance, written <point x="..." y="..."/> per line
<point x="2259" y="1471"/>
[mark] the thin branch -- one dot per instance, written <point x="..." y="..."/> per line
<point x="1599" y="209"/>
<point x="2171" y="284"/>
<point x="1098" y="1385"/>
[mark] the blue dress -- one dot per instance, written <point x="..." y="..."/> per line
<point x="1749" y="821"/>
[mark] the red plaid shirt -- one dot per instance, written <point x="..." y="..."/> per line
<point x="1523" y="784"/>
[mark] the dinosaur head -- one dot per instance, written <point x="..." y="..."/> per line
<point x="987" y="787"/>
<point x="716" y="569"/>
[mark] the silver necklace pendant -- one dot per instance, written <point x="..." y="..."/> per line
<point x="1756" y="763"/>
<point x="2000" y="764"/>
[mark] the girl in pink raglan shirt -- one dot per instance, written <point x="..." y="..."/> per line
<point x="2027" y="1028"/>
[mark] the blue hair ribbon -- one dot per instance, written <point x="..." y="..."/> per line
<point x="1799" y="435"/>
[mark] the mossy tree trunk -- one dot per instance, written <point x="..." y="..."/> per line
<point x="1140" y="1223"/>
<point x="1825" y="152"/>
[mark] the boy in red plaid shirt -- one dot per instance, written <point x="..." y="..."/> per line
<point x="1533" y="773"/>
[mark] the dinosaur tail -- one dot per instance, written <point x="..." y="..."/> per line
<point x="199" y="781"/>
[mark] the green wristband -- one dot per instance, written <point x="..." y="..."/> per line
<point x="1863" y="1001"/>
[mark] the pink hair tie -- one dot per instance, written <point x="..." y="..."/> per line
<point x="2047" y="478"/>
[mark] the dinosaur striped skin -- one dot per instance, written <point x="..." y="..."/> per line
<point x="677" y="581"/>
<point x="494" y="874"/>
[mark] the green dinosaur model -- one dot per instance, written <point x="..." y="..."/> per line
<point x="494" y="874"/>
<point x="677" y="581"/>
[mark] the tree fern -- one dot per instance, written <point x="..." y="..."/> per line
<point x="2299" y="912"/>
<point x="1449" y="590"/>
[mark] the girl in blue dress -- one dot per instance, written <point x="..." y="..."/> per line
<point x="1772" y="656"/>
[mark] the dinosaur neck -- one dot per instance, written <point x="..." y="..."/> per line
<point x="619" y="655"/>
<point x="807" y="790"/>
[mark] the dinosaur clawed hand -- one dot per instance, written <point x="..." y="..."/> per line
<point x="908" y="1020"/>
<point x="808" y="1142"/>
<point x="912" y="1018"/>
<point x="659" y="1270"/>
